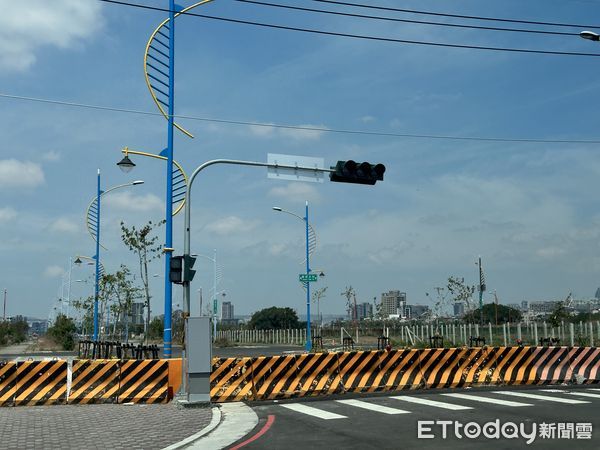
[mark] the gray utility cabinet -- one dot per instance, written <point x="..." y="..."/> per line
<point x="199" y="351"/>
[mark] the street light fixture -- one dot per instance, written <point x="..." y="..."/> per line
<point x="126" y="164"/>
<point x="590" y="35"/>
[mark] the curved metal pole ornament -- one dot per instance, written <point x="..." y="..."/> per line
<point x="177" y="173"/>
<point x="155" y="68"/>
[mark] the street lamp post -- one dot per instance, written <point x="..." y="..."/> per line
<point x="308" y="227"/>
<point x="93" y="224"/>
<point x="215" y="301"/>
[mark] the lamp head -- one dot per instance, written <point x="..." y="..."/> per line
<point x="136" y="182"/>
<point x="77" y="261"/>
<point x="590" y="35"/>
<point x="126" y="164"/>
<point x="276" y="208"/>
<point x="322" y="274"/>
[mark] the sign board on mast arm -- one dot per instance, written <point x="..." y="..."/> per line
<point x="295" y="174"/>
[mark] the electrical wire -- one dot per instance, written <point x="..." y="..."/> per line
<point x="307" y="128"/>
<point x="360" y="36"/>
<point x="393" y="19"/>
<point x="458" y="16"/>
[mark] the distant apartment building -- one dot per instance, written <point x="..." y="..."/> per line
<point x="542" y="307"/>
<point x="393" y="303"/>
<point x="364" y="310"/>
<point x="37" y="326"/>
<point x="415" y="311"/>
<point x="226" y="311"/>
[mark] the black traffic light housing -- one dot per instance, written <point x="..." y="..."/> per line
<point x="176" y="269"/>
<point x="352" y="172"/>
<point x="188" y="263"/>
<point x="180" y="269"/>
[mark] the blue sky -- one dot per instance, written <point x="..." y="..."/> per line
<point x="529" y="209"/>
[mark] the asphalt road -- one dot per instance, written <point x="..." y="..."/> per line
<point x="383" y="421"/>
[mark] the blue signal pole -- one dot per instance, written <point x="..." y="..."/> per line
<point x="97" y="258"/>
<point x="308" y="336"/>
<point x="167" y="335"/>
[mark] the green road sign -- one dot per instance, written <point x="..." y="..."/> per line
<point x="215" y="306"/>
<point x="310" y="277"/>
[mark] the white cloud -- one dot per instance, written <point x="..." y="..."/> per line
<point x="297" y="192"/>
<point x="231" y="225"/>
<point x="26" y="28"/>
<point x="367" y="119"/>
<point x="7" y="214"/>
<point x="262" y="130"/>
<point x="52" y="155"/>
<point x="18" y="174"/>
<point x="53" y="272"/>
<point x="299" y="134"/>
<point x="313" y="134"/>
<point x="131" y="202"/>
<point x="63" y="225"/>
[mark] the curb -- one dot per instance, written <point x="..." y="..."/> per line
<point x="216" y="419"/>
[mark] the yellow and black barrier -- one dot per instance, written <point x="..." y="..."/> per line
<point x="274" y="377"/>
<point x="144" y="381"/>
<point x="277" y="377"/>
<point x="8" y="383"/>
<point x="95" y="381"/>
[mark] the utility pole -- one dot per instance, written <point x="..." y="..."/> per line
<point x="4" y="315"/>
<point x="481" y="291"/>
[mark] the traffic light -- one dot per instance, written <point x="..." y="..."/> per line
<point x="351" y="172"/>
<point x="180" y="269"/>
<point x="188" y="263"/>
<point x="176" y="269"/>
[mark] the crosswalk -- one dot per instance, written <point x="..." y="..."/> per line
<point x="452" y="401"/>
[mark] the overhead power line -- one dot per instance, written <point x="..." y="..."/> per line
<point x="307" y="128"/>
<point x="394" y="19"/>
<point x="458" y="16"/>
<point x="360" y="36"/>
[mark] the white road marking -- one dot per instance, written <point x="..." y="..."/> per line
<point x="477" y="398"/>
<point x="593" y="389"/>
<point x="585" y="394"/>
<point x="542" y="397"/>
<point x="424" y="401"/>
<point x="315" y="412"/>
<point x="373" y="407"/>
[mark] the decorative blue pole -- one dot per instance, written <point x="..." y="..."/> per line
<point x="308" y="336"/>
<point x="167" y="349"/>
<point x="97" y="258"/>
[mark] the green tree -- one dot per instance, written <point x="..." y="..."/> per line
<point x="274" y="318"/>
<point x="14" y="331"/>
<point x="63" y="332"/>
<point x="144" y="245"/>
<point x="156" y="328"/>
<point x="490" y="310"/>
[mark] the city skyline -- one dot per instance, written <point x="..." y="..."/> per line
<point x="527" y="208"/>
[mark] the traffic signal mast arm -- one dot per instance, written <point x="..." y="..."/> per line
<point x="376" y="173"/>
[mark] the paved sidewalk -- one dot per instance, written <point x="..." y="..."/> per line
<point x="99" y="426"/>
